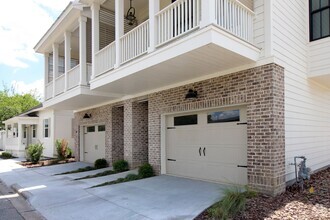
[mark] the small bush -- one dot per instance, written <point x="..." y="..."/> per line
<point x="100" y="163"/>
<point x="120" y="166"/>
<point x="63" y="151"/>
<point x="6" y="155"/>
<point x="34" y="152"/>
<point x="232" y="203"/>
<point x="146" y="171"/>
<point x="131" y="177"/>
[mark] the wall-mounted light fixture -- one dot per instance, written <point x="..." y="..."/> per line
<point x="130" y="15"/>
<point x="191" y="94"/>
<point x="87" y="116"/>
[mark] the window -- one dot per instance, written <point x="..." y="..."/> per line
<point x="46" y="127"/>
<point x="34" y="131"/>
<point x="9" y="131"/>
<point x="15" y="130"/>
<point x="223" y="116"/>
<point x="185" y="120"/>
<point x="319" y="19"/>
<point x="101" y="128"/>
<point x="91" y="129"/>
<point x="24" y="132"/>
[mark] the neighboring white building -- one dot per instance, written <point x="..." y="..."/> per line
<point x="38" y="125"/>
<point x="2" y="139"/>
<point x="218" y="90"/>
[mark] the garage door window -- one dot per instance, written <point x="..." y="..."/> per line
<point x="101" y="128"/>
<point x="185" y="120"/>
<point x="223" y="116"/>
<point x="91" y="129"/>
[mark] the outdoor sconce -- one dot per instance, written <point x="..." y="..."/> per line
<point x="191" y="94"/>
<point x="87" y="116"/>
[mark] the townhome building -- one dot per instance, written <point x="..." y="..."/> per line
<point x="228" y="91"/>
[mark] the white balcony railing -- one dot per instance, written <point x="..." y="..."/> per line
<point x="59" y="84"/>
<point x="105" y="59"/>
<point x="235" y="17"/>
<point x="49" y="91"/>
<point x="177" y="19"/>
<point x="135" y="42"/>
<point x="73" y="77"/>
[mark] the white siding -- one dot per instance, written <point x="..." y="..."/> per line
<point x="63" y="127"/>
<point x="48" y="143"/>
<point x="307" y="104"/>
<point x="319" y="57"/>
<point x="259" y="25"/>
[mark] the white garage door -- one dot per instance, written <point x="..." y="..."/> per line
<point x="94" y="143"/>
<point x="209" y="145"/>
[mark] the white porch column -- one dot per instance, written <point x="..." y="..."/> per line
<point x="95" y="35"/>
<point x="82" y="50"/>
<point x="119" y="11"/>
<point x="208" y="12"/>
<point x="46" y="57"/>
<point x="55" y="65"/>
<point x="67" y="52"/>
<point x="153" y="9"/>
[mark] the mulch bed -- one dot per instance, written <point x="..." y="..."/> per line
<point x="293" y="204"/>
<point x="46" y="162"/>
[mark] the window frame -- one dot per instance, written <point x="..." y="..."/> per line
<point x="34" y="131"/>
<point x="311" y="13"/>
<point x="46" y="128"/>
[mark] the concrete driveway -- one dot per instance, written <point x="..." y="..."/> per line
<point x="62" y="197"/>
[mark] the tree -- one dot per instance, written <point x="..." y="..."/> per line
<point x="12" y="103"/>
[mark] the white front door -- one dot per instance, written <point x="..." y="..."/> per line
<point x="208" y="145"/>
<point x="94" y="143"/>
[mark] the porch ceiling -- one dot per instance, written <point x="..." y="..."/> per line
<point x="204" y="55"/>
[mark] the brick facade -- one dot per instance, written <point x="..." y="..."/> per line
<point x="261" y="89"/>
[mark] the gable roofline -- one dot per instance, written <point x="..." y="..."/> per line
<point x="70" y="11"/>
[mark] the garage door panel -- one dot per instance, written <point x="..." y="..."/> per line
<point x="229" y="154"/>
<point x="217" y="134"/>
<point x="185" y="168"/>
<point x="226" y="173"/>
<point x="183" y="152"/>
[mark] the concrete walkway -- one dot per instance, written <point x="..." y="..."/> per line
<point x="62" y="197"/>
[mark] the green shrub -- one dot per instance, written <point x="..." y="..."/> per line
<point x="34" y="152"/>
<point x="146" y="171"/>
<point x="63" y="151"/>
<point x="100" y="163"/>
<point x="232" y="203"/>
<point x="131" y="177"/>
<point x="6" y="155"/>
<point x="120" y="166"/>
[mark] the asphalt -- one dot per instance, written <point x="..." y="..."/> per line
<point x="62" y="197"/>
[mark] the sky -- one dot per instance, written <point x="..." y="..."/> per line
<point x="22" y="24"/>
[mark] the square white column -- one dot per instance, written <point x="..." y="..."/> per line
<point x="95" y="35"/>
<point x="67" y="52"/>
<point x="82" y="50"/>
<point x="208" y="12"/>
<point x="153" y="9"/>
<point x="46" y="57"/>
<point x="55" y="66"/>
<point x="119" y="13"/>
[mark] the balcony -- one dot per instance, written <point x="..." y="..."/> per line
<point x="186" y="40"/>
<point x="319" y="61"/>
